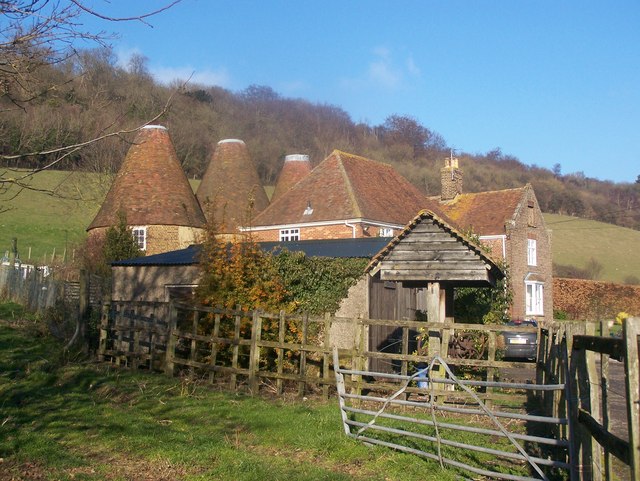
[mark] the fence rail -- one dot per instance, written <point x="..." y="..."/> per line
<point x="252" y="348"/>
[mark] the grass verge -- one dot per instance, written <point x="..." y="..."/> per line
<point x="68" y="420"/>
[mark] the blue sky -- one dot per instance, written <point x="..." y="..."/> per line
<point x="546" y="81"/>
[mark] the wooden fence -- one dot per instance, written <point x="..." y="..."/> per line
<point x="31" y="289"/>
<point x="571" y="353"/>
<point x="253" y="349"/>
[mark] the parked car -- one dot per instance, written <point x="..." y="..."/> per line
<point x="520" y="345"/>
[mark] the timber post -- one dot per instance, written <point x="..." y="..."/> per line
<point x="326" y="357"/>
<point x="280" y="367"/>
<point x="104" y="331"/>
<point x="630" y="333"/>
<point x="171" y="340"/>
<point x="254" y="353"/>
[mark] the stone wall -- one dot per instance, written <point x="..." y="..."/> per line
<point x="148" y="283"/>
<point x="594" y="300"/>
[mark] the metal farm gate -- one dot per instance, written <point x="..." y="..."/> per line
<point x="406" y="414"/>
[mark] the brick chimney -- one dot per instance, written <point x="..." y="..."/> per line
<point x="451" y="179"/>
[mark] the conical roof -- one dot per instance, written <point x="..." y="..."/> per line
<point x="228" y="184"/>
<point x="295" y="168"/>
<point x="151" y="187"/>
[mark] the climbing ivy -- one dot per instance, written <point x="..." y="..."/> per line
<point x="317" y="284"/>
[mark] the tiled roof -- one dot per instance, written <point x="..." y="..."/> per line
<point x="151" y="187"/>
<point x="294" y="169"/>
<point x="228" y="184"/>
<point x="346" y="186"/>
<point x="484" y="213"/>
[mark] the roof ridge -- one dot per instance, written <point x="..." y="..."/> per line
<point x="349" y="186"/>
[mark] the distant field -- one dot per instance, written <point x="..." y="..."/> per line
<point x="576" y="240"/>
<point x="44" y="222"/>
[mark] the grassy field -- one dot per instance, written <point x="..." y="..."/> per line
<point x="43" y="222"/>
<point x="575" y="241"/>
<point x="62" y="419"/>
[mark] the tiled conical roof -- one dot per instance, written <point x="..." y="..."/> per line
<point x="230" y="181"/>
<point x="295" y="168"/>
<point x="151" y="187"/>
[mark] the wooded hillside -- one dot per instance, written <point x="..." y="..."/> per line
<point x="93" y="96"/>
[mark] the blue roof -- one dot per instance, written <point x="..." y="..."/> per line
<point x="364" y="248"/>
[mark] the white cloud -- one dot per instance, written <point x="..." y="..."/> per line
<point x="208" y="77"/>
<point x="123" y="55"/>
<point x="384" y="72"/>
<point x="412" y="68"/>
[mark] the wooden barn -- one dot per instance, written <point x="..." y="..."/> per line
<point x="414" y="277"/>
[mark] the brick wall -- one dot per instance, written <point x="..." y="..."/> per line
<point x="595" y="300"/>
<point x="336" y="231"/>
<point x="529" y="224"/>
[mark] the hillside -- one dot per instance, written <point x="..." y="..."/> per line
<point x="44" y="222"/>
<point x="575" y="241"/>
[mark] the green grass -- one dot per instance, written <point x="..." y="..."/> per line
<point x="575" y="241"/>
<point x="67" y="420"/>
<point x="43" y="222"/>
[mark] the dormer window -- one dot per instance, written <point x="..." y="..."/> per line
<point x="385" y="232"/>
<point x="289" y="235"/>
<point x="139" y="234"/>
<point x="309" y="209"/>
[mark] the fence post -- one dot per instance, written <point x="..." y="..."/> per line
<point x="104" y="331"/>
<point x="592" y="398"/>
<point x="577" y="381"/>
<point x="326" y="364"/>
<point x="357" y="356"/>
<point x="491" y="372"/>
<point x="214" y="346"/>
<point x="254" y="353"/>
<point x="281" y="327"/>
<point x="302" y="370"/>
<point x="235" y="350"/>
<point x="604" y="393"/>
<point x="630" y="333"/>
<point x="83" y="308"/>
<point x="171" y="340"/>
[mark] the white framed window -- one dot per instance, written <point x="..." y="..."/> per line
<point x="289" y="235"/>
<point x="139" y="234"/>
<point x="386" y="232"/>
<point x="534" y="297"/>
<point x="532" y="252"/>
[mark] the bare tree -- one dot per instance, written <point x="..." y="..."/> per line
<point x="36" y="38"/>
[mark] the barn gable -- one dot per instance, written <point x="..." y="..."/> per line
<point x="430" y="250"/>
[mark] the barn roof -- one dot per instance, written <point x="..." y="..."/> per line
<point x="229" y="184"/>
<point x="431" y="249"/>
<point x="150" y="187"/>
<point x="346" y="186"/>
<point x="361" y="248"/>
